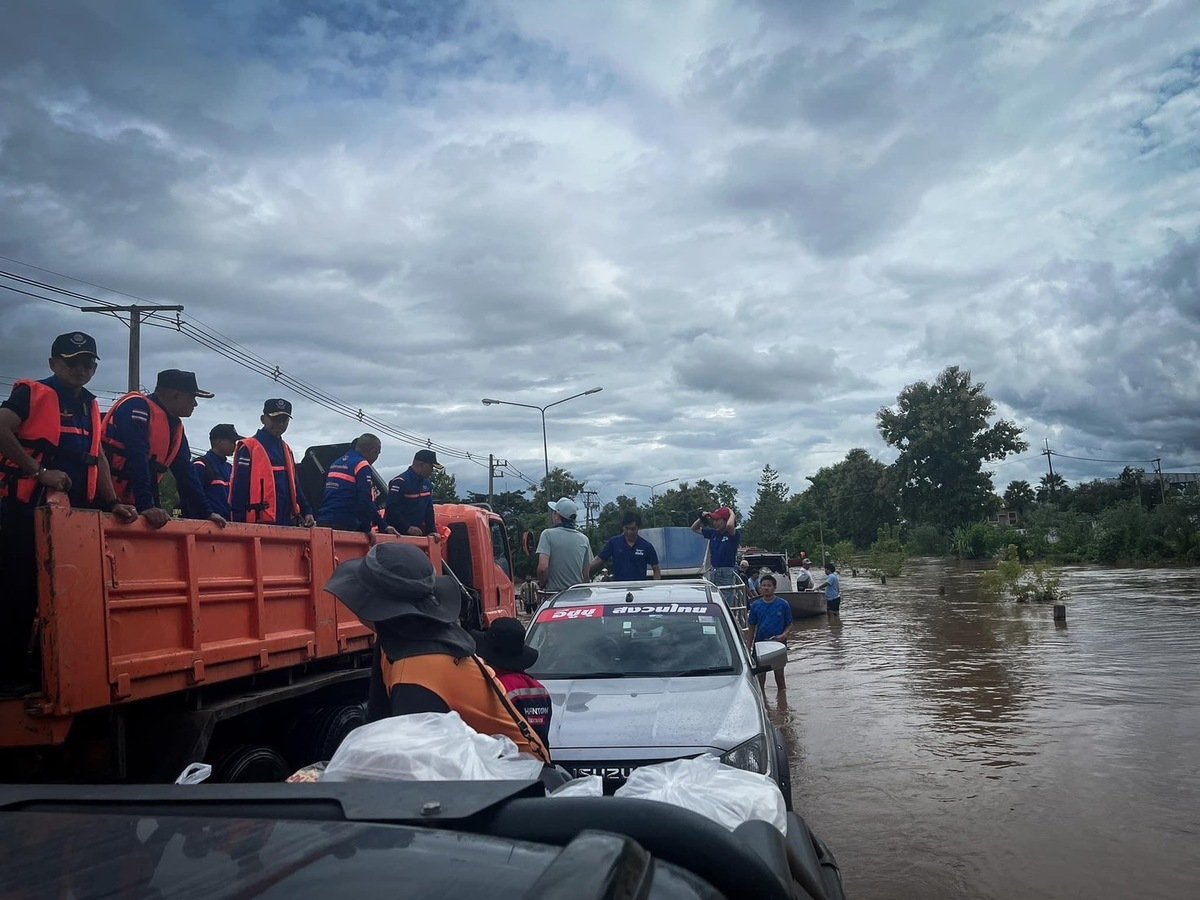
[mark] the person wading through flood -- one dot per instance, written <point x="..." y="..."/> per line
<point x="770" y="620"/>
<point x="424" y="661"/>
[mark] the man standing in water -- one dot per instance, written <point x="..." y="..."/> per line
<point x="770" y="620"/>
<point x="833" y="590"/>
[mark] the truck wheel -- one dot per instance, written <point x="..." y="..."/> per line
<point x="251" y="763"/>
<point x="328" y="728"/>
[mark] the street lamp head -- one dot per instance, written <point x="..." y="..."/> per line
<point x="595" y="390"/>
<point x="488" y="401"/>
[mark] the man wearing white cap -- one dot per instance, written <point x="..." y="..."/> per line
<point x="563" y="550"/>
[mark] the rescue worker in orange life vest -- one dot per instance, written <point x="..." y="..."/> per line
<point x="264" y="488"/>
<point x="349" y="501"/>
<point x="410" y="497"/>
<point x="213" y="468"/>
<point x="49" y="441"/>
<point x="423" y="659"/>
<point x="144" y="439"/>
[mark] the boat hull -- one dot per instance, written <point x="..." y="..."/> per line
<point x="805" y="604"/>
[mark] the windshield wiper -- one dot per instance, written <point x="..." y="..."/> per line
<point x="706" y="670"/>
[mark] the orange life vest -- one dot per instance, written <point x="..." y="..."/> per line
<point x="262" y="506"/>
<point x="463" y="685"/>
<point x="163" y="440"/>
<point x="41" y="434"/>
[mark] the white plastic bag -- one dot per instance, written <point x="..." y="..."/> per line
<point x="584" y="786"/>
<point x="707" y="786"/>
<point x="428" y="747"/>
<point x="195" y="773"/>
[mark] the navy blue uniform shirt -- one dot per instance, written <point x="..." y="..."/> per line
<point x="349" y="501"/>
<point x="76" y="413"/>
<point x="410" y="502"/>
<point x="132" y="427"/>
<point x="629" y="563"/>
<point x="239" y="497"/>
<point x="214" y="471"/>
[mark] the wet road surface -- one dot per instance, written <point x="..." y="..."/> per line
<point x="950" y="746"/>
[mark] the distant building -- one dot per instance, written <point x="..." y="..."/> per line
<point x="1005" y="518"/>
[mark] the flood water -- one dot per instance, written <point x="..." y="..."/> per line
<point x="949" y="746"/>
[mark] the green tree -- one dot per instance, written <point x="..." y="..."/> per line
<point x="608" y="523"/>
<point x="445" y="488"/>
<point x="763" y="526"/>
<point x="679" y="505"/>
<point x="562" y="484"/>
<point x="1052" y="489"/>
<point x="1019" y="496"/>
<point x="944" y="436"/>
<point x="853" y="498"/>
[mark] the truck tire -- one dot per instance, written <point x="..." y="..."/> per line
<point x="326" y="730"/>
<point x="251" y="763"/>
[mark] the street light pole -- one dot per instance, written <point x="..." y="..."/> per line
<point x="651" y="487"/>
<point x="488" y="401"/>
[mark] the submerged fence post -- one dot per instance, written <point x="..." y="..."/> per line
<point x="1060" y="612"/>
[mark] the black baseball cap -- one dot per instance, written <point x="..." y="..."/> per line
<point x="178" y="380"/>
<point x="72" y="344"/>
<point x="427" y="456"/>
<point x="276" y="407"/>
<point x="224" y="432"/>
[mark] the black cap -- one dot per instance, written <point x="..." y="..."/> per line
<point x="276" y="407"/>
<point x="224" y="432"/>
<point x="72" y="344"/>
<point x="178" y="380"/>
<point x="427" y="456"/>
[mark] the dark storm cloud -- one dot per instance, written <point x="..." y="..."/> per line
<point x="753" y="224"/>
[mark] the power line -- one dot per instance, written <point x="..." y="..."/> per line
<point x="233" y="351"/>
<point x="1093" y="459"/>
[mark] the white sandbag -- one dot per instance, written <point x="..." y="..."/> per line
<point x="195" y="773"/>
<point x="584" y="786"/>
<point x="707" y="786"/>
<point x="428" y="747"/>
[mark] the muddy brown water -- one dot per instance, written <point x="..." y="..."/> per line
<point x="952" y="746"/>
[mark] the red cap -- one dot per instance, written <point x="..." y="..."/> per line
<point x="723" y="513"/>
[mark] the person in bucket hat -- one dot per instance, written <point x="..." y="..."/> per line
<point x="424" y="661"/>
<point x="503" y="648"/>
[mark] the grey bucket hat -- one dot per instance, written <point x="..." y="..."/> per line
<point x="395" y="580"/>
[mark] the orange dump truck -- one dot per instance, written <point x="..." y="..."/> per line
<point x="193" y="643"/>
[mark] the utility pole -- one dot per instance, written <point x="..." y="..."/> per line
<point x="1048" y="453"/>
<point x="493" y="466"/>
<point x="135" y="334"/>
<point x="590" y="503"/>
<point x="1162" y="488"/>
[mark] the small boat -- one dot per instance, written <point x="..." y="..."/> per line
<point x="805" y="604"/>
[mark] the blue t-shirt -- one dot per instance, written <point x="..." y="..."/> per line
<point x="771" y="618"/>
<point x="722" y="547"/>
<point x="833" y="587"/>
<point x="629" y="563"/>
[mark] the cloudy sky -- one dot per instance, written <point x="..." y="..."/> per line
<point x="751" y="223"/>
